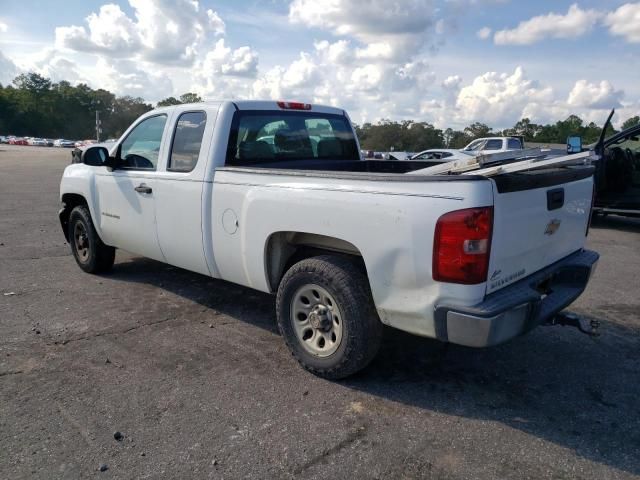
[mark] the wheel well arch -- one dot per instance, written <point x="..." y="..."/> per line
<point x="69" y="202"/>
<point x="284" y="249"/>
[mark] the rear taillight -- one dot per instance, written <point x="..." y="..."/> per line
<point x="294" y="105"/>
<point x="462" y="245"/>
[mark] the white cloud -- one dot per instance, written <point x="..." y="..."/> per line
<point x="451" y="89"/>
<point x="500" y="98"/>
<point x="484" y="33"/>
<point x="223" y="60"/>
<point x="574" y="24"/>
<point x="595" y="95"/>
<point x="337" y="53"/>
<point x="8" y="69"/>
<point x="125" y="77"/>
<point x="369" y="59"/>
<point x="393" y="30"/>
<point x="162" y="32"/>
<point x="625" y="22"/>
<point x="110" y="31"/>
<point x="50" y="63"/>
<point x="366" y="78"/>
<point x="4" y="27"/>
<point x="150" y="44"/>
<point x="349" y="17"/>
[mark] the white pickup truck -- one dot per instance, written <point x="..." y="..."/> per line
<point x="487" y="145"/>
<point x="275" y="196"/>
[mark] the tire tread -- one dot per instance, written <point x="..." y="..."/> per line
<point x="346" y="275"/>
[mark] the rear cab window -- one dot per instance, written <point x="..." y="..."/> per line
<point x="186" y="142"/>
<point x="514" y="144"/>
<point x="493" y="144"/>
<point x="261" y="137"/>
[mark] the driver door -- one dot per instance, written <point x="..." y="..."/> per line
<point x="126" y="195"/>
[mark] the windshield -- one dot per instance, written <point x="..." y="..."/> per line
<point x="475" y="145"/>
<point x="264" y="136"/>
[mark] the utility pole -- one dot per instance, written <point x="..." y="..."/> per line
<point x="98" y="129"/>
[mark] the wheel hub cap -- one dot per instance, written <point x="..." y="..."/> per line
<point x="81" y="242"/>
<point x="320" y="318"/>
<point x="317" y="320"/>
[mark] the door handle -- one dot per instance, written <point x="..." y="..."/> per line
<point x="143" y="188"/>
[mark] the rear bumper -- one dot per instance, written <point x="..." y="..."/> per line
<point x="518" y="308"/>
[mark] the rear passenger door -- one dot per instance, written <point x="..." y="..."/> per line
<point x="179" y="191"/>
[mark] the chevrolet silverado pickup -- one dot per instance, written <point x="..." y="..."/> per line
<point x="275" y="196"/>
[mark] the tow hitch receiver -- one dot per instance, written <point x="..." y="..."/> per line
<point x="572" y="320"/>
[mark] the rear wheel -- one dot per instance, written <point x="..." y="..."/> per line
<point x="91" y="254"/>
<point x="327" y="316"/>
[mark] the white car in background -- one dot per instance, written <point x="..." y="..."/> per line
<point x="37" y="142"/>
<point x="480" y="146"/>
<point x="443" y="154"/>
<point x="489" y="145"/>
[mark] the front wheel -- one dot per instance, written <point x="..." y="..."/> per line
<point x="327" y="316"/>
<point x="91" y="254"/>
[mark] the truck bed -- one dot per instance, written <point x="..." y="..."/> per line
<point x="363" y="166"/>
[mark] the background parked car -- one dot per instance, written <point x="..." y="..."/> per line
<point x="62" y="143"/>
<point x="37" y="142"/>
<point x="83" y="143"/>
<point x="18" y="141"/>
<point x="444" y="154"/>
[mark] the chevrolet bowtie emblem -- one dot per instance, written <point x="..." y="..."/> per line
<point x="552" y="227"/>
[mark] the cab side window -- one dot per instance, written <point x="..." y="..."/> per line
<point x="493" y="144"/>
<point x="187" y="140"/>
<point x="140" y="150"/>
<point x="514" y="144"/>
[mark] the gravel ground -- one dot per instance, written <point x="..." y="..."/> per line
<point x="192" y="372"/>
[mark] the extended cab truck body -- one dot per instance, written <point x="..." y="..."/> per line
<point x="275" y="196"/>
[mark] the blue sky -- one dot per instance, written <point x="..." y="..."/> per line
<point x="450" y="62"/>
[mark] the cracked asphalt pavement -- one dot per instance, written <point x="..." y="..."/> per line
<point x="193" y="374"/>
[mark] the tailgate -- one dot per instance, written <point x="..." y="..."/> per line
<point x="540" y="217"/>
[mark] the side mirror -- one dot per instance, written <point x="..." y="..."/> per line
<point x="111" y="163"/>
<point x="574" y="144"/>
<point x="95" y="156"/>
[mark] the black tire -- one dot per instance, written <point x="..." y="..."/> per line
<point x="91" y="254"/>
<point x="361" y="332"/>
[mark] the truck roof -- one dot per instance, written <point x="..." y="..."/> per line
<point x="257" y="105"/>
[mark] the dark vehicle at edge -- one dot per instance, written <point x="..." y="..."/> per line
<point x="617" y="175"/>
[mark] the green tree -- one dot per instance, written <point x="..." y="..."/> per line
<point x="631" y="122"/>
<point x="168" y="101"/>
<point x="406" y="135"/>
<point x="477" y="130"/>
<point x="458" y="139"/>
<point x="184" y="98"/>
<point x="190" y="98"/>
<point x="524" y="128"/>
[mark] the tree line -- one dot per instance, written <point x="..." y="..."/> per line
<point x="34" y="105"/>
<point x="413" y="136"/>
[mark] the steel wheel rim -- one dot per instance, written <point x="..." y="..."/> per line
<point x="317" y="320"/>
<point x="81" y="241"/>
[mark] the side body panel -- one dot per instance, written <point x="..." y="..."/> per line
<point x="390" y="223"/>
